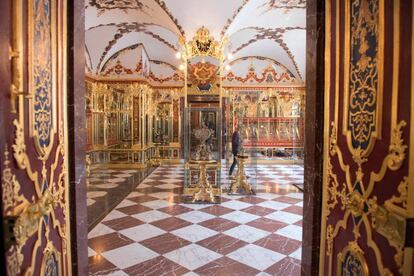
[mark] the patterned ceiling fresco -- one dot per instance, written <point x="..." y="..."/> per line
<point x="266" y="37"/>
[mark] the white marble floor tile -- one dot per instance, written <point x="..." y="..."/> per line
<point x="300" y="204"/>
<point x="240" y="217"/>
<point x="168" y="186"/>
<point x="267" y="196"/>
<point x="246" y="233"/>
<point x="162" y="195"/>
<point x="157" y="204"/>
<point x="285" y="217"/>
<point x="126" y="203"/>
<point x="195" y="216"/>
<point x="114" y="214"/>
<point x="194" y="206"/>
<point x="192" y="256"/>
<point x="90" y="201"/>
<point x="256" y="256"/>
<point x="291" y="231"/>
<point x="134" y="194"/>
<point x="129" y="255"/>
<point x="297" y="254"/>
<point x="117" y="273"/>
<point x="99" y="230"/>
<point x="151" y="216"/>
<point x="142" y="232"/>
<point x="194" y="233"/>
<point x="296" y="195"/>
<point x="91" y="252"/>
<point x="235" y="204"/>
<point x="275" y="205"/>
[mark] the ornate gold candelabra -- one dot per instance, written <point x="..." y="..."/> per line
<point x="204" y="191"/>
<point x="240" y="185"/>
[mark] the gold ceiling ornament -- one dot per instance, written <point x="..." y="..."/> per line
<point x="203" y="44"/>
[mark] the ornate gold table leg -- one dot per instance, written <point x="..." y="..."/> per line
<point x="155" y="161"/>
<point x="205" y="192"/>
<point x="240" y="185"/>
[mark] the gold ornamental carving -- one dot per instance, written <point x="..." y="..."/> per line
<point x="204" y="190"/>
<point x="203" y="45"/>
<point x="241" y="185"/>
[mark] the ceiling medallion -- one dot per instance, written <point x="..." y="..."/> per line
<point x="203" y="44"/>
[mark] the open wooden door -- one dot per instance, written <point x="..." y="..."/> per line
<point x="33" y="137"/>
<point x="368" y="200"/>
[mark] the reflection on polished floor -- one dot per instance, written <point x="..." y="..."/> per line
<point x="244" y="235"/>
<point x="108" y="187"/>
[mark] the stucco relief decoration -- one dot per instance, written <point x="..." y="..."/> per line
<point x="268" y="75"/>
<point x="203" y="74"/>
<point x="42" y="79"/>
<point x="103" y="5"/>
<point x="286" y="5"/>
<point x="119" y="69"/>
<point x="363" y="78"/>
<point x="275" y="35"/>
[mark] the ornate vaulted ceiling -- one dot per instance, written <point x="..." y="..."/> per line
<point x="140" y="37"/>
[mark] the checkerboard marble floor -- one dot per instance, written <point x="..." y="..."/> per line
<point x="107" y="187"/>
<point x="151" y="233"/>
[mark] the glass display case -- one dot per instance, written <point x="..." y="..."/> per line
<point x="271" y="123"/>
<point x="202" y="148"/>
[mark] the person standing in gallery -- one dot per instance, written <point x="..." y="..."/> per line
<point x="235" y="148"/>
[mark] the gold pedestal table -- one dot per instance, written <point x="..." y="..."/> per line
<point x="204" y="192"/>
<point x="156" y="159"/>
<point x="240" y="185"/>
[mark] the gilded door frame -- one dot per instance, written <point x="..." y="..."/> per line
<point x="35" y="216"/>
<point x="400" y="207"/>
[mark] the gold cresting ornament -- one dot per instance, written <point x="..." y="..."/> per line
<point x="203" y="45"/>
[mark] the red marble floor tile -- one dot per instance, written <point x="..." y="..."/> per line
<point x="171" y="224"/>
<point x="294" y="209"/>
<point x="165" y="243"/>
<point x="258" y="210"/>
<point x="216" y="210"/>
<point x="108" y="242"/>
<point x="156" y="267"/>
<point x="222" y="244"/>
<point x="149" y="190"/>
<point x="251" y="199"/>
<point x="267" y="224"/>
<point x="279" y="244"/>
<point x="299" y="223"/>
<point x="98" y="264"/>
<point x="225" y="267"/>
<point x="134" y="209"/>
<point x="122" y="223"/>
<point x="287" y="266"/>
<point x="175" y="210"/>
<point x="142" y="198"/>
<point x="286" y="199"/>
<point x="219" y="224"/>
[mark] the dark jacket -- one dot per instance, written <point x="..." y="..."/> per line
<point x="235" y="143"/>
